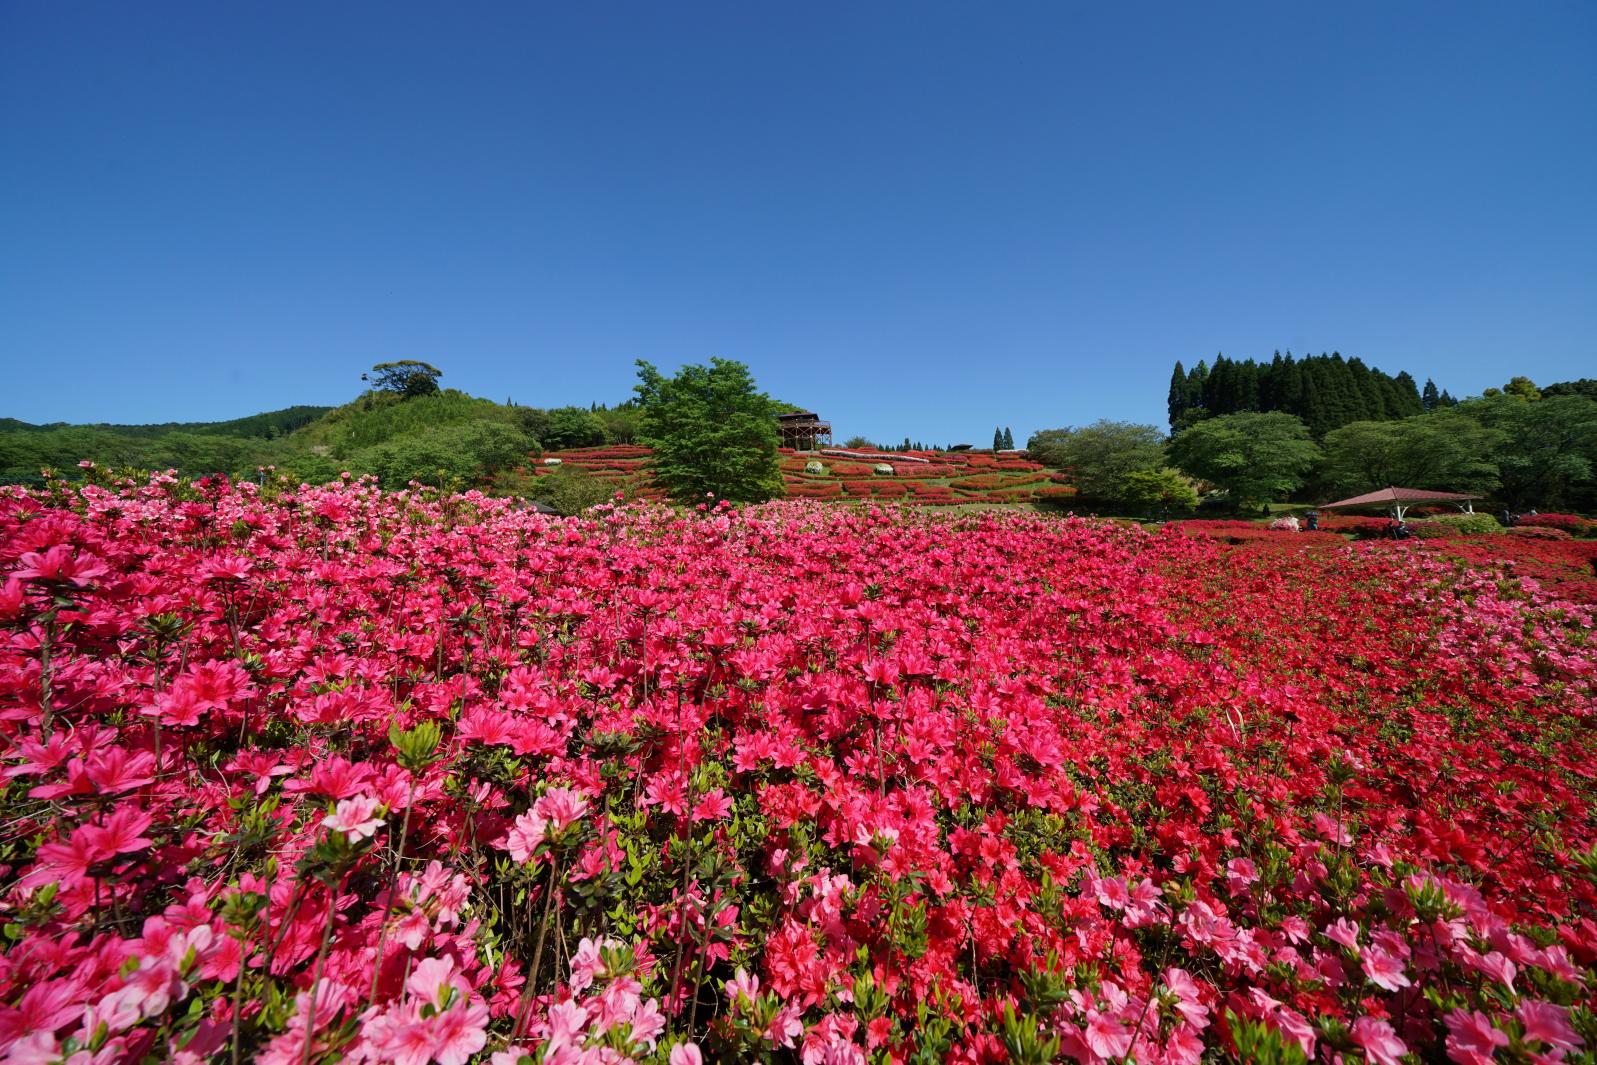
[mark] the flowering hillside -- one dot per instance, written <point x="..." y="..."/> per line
<point x="926" y="478"/>
<point x="344" y="775"/>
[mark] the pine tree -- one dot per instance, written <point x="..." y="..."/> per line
<point x="1009" y="439"/>
<point x="1315" y="414"/>
<point x="1429" y="399"/>
<point x="1290" y="389"/>
<point x="1197" y="385"/>
<point x="1176" y="403"/>
<point x="1409" y="402"/>
<point x="998" y="439"/>
<point x="1247" y="386"/>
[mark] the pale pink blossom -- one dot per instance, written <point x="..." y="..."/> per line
<point x="356" y="818"/>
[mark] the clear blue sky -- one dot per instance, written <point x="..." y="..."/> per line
<point x="918" y="218"/>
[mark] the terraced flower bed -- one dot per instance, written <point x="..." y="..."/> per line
<point x="941" y="479"/>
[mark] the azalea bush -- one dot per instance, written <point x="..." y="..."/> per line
<point x="1358" y="526"/>
<point x="1573" y="524"/>
<point x="323" y="774"/>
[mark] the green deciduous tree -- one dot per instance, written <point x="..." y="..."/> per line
<point x="713" y="432"/>
<point x="1101" y="455"/>
<point x="451" y="456"/>
<point x="1522" y="387"/>
<point x="1253" y="457"/>
<point x="1445" y="451"/>
<point x="1161" y="489"/>
<point x="567" y="427"/>
<point x="1548" y="455"/>
<point x="1586" y="386"/>
<point x="621" y="423"/>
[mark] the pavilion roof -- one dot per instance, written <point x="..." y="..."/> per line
<point x="1398" y="495"/>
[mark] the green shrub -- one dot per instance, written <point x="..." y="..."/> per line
<point x="1469" y="524"/>
<point x="570" y="491"/>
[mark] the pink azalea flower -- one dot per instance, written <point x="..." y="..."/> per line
<point x="435" y="981"/>
<point x="1189" y="1002"/>
<point x="586" y="963"/>
<point x="356" y="818"/>
<point x="742" y="985"/>
<point x="1548" y="1023"/>
<point x="526" y="833"/>
<point x="561" y="808"/>
<point x="1378" y="1041"/>
<point x="1472" y="1039"/>
<point x="1106" y="1036"/>
<point x="1384" y="970"/>
<point x="1344" y="933"/>
<point x="459" y="1033"/>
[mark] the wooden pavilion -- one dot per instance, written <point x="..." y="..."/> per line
<point x="803" y="430"/>
<point x="1400" y="499"/>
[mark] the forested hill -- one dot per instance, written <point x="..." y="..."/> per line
<point x="236" y="445"/>
<point x="446" y="437"/>
<point x="1326" y="391"/>
<point x="267" y="426"/>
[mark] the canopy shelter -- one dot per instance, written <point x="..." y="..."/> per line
<point x="1400" y="499"/>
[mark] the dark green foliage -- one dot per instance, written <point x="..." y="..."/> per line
<point x="1586" y="386"/>
<point x="569" y="427"/>
<point x="1548" y="455"/>
<point x="1009" y="439"/>
<point x="406" y="377"/>
<point x="449" y="457"/>
<point x="621" y="423"/>
<point x="1445" y="451"/>
<point x="1176" y="397"/>
<point x="194" y="448"/>
<point x="1325" y="391"/>
<point x="713" y="432"/>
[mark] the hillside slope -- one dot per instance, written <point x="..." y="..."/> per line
<point x="926" y="478"/>
<point x="235" y="445"/>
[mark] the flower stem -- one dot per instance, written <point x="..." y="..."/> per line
<point x="316" y="980"/>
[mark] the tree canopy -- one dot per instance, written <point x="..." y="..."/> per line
<point x="1253" y="457"/>
<point x="405" y="377"/>
<point x="1100" y="456"/>
<point x="1547" y="455"/>
<point x="1325" y="391"/>
<point x="712" y="430"/>
<point x="1444" y="451"/>
<point x="1162" y="489"/>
